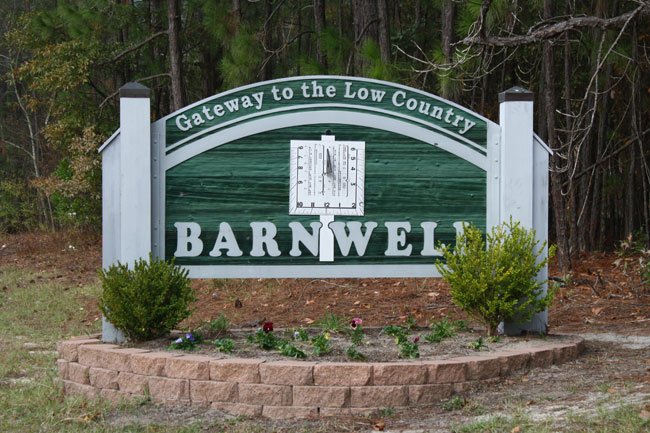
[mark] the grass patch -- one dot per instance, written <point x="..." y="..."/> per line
<point x="621" y="419"/>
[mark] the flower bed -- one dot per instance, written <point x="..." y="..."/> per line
<point x="287" y="388"/>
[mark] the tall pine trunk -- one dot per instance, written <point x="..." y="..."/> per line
<point x="319" y="27"/>
<point x="175" y="54"/>
<point x="364" y="14"/>
<point x="557" y="200"/>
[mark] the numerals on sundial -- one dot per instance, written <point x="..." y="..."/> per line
<point x="327" y="177"/>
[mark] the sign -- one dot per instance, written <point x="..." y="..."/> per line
<point x="317" y="177"/>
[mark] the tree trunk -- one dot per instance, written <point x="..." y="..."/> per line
<point x="448" y="12"/>
<point x="319" y="26"/>
<point x="364" y="15"/>
<point x="175" y="54"/>
<point x="267" y="37"/>
<point x="236" y="12"/>
<point x="383" y="31"/>
<point x="559" y="216"/>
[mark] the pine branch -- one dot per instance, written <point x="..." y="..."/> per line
<point x="551" y="31"/>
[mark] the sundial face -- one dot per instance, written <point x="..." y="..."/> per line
<point x="327" y="177"/>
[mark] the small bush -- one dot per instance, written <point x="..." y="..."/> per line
<point x="224" y="345"/>
<point x="440" y="331"/>
<point x="147" y="301"/>
<point x="496" y="283"/>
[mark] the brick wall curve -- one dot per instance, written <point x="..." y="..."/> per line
<point x="286" y="389"/>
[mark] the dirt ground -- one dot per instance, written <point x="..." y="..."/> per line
<point x="603" y="300"/>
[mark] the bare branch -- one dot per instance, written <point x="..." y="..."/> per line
<point x="134" y="47"/>
<point x="551" y="31"/>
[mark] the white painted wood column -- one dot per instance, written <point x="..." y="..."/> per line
<point x="130" y="173"/>
<point x="517" y="185"/>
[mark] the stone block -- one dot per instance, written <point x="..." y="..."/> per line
<point x="272" y="395"/>
<point x="513" y="361"/>
<point x="287" y="373"/>
<point x="78" y="373"/>
<point x="150" y="363"/>
<point x="334" y="411"/>
<point x="238" y="409"/>
<point x="321" y="396"/>
<point x="289" y="412"/>
<point x="102" y="378"/>
<point x="565" y="353"/>
<point x="236" y="370"/>
<point x="342" y="374"/>
<point x="541" y="357"/>
<point x="114" y="396"/>
<point x="400" y="373"/>
<point x="463" y="387"/>
<point x="68" y="349"/>
<point x="133" y="383"/>
<point x="62" y="366"/>
<point x="108" y="356"/>
<point x="195" y="367"/>
<point x="206" y="391"/>
<point x="379" y="396"/>
<point x="422" y="395"/>
<point x="482" y="367"/>
<point x="77" y="389"/>
<point x="363" y="411"/>
<point x="447" y="371"/>
<point x="161" y="389"/>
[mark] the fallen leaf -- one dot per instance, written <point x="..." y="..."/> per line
<point x="644" y="415"/>
<point x="433" y="294"/>
<point x="357" y="302"/>
<point x="379" y="425"/>
<point x="516" y="429"/>
<point x="308" y="321"/>
<point x="309" y="302"/>
<point x="611" y="390"/>
<point x="596" y="310"/>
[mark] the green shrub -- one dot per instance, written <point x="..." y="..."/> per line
<point x="147" y="301"/>
<point x="496" y="283"/>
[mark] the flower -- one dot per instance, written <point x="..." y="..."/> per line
<point x="179" y="340"/>
<point x="189" y="336"/>
<point x="416" y="339"/>
<point x="355" y="322"/>
<point x="296" y="335"/>
<point x="326" y="335"/>
<point x="267" y="327"/>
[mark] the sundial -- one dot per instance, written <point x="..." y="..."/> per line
<point x="327" y="179"/>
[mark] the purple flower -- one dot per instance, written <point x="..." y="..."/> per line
<point x="355" y="322"/>
<point x="189" y="336"/>
<point x="267" y="327"/>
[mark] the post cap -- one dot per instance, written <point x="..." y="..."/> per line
<point x="515" y="94"/>
<point x="134" y="90"/>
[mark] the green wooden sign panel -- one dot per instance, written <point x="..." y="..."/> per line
<point x="227" y="181"/>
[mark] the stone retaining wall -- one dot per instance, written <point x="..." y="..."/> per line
<point x="285" y="389"/>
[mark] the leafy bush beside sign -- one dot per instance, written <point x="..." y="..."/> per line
<point x="496" y="283"/>
<point x="147" y="301"/>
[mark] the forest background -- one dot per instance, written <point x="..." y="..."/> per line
<point x="587" y="62"/>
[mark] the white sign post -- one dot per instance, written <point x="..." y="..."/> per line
<point x="523" y="183"/>
<point x="126" y="189"/>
